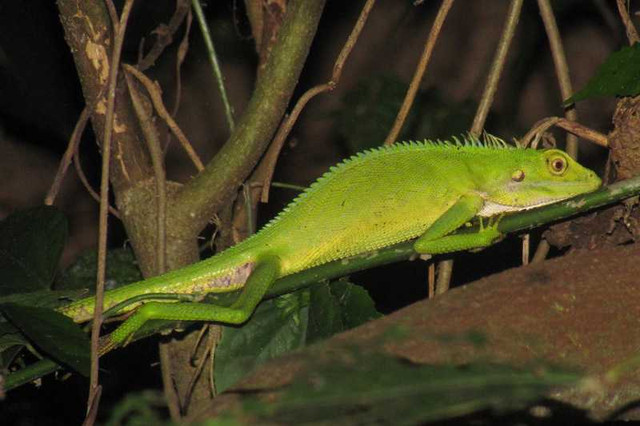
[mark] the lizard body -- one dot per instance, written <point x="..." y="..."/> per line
<point x="374" y="199"/>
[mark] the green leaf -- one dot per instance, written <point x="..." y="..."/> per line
<point x="121" y="269"/>
<point x="619" y="75"/>
<point x="31" y="242"/>
<point x="55" y="334"/>
<point x="43" y="298"/>
<point x="367" y="388"/>
<point x="278" y="326"/>
<point x="338" y="307"/>
<point x="8" y="355"/>
<point x="11" y="342"/>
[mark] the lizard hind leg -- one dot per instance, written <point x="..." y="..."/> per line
<point x="265" y="273"/>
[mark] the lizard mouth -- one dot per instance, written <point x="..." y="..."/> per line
<point x="492" y="208"/>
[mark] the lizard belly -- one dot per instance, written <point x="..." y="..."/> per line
<point x="314" y="247"/>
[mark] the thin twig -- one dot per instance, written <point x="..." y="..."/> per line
<point x="499" y="60"/>
<point x="113" y="14"/>
<point x="94" y="403"/>
<point x="164" y="35"/>
<point x="287" y="124"/>
<point x="213" y="59"/>
<point x="583" y="132"/>
<point x="288" y="186"/>
<point x="143" y="111"/>
<point x="248" y="205"/>
<point x="170" y="393"/>
<point x="526" y="245"/>
<point x="104" y="196"/>
<point x="530" y="139"/>
<point x="445" y="270"/>
<point x="541" y="253"/>
<point x="632" y="33"/>
<point x="181" y="54"/>
<point x="561" y="67"/>
<point x="419" y="73"/>
<point x="445" y="267"/>
<point x="87" y="185"/>
<point x="199" y="367"/>
<point x="156" y="99"/>
<point x="72" y="146"/>
<point x="431" y="280"/>
<point x="564" y="81"/>
<point x="215" y="334"/>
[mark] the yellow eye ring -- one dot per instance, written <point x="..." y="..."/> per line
<point x="557" y="165"/>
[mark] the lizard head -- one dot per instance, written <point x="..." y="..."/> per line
<point x="534" y="179"/>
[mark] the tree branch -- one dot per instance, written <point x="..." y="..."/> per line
<point x="203" y="196"/>
<point x="568" y="323"/>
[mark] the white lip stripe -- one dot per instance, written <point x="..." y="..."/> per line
<point x="490" y="208"/>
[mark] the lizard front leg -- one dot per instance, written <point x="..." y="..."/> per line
<point x="436" y="240"/>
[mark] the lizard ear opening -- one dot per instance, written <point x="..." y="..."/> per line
<point x="518" y="176"/>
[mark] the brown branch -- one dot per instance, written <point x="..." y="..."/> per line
<point x="113" y="15"/>
<point x="632" y="33"/>
<point x="531" y="137"/>
<point x="583" y="132"/>
<point x="164" y="34"/>
<point x="92" y="411"/>
<point x="419" y="73"/>
<point x="431" y="280"/>
<point x="156" y="97"/>
<point x="561" y="67"/>
<point x="168" y="385"/>
<point x="199" y="365"/>
<point x="72" y="147"/>
<point x="568" y="325"/>
<point x="202" y="197"/>
<point x="499" y="60"/>
<point x="143" y="110"/>
<point x="181" y="54"/>
<point x="87" y="185"/>
<point x="104" y="196"/>
<point x="87" y="29"/>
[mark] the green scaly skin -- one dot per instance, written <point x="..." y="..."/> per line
<point x="375" y="199"/>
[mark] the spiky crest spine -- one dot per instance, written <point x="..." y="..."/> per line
<point x="465" y="141"/>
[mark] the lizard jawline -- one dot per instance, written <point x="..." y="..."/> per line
<point x="492" y="208"/>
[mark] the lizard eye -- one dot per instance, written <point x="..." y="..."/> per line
<point x="517" y="176"/>
<point x="557" y="165"/>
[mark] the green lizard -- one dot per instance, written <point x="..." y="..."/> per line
<point x="374" y="199"/>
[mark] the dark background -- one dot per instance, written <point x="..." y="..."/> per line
<point x="40" y="100"/>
